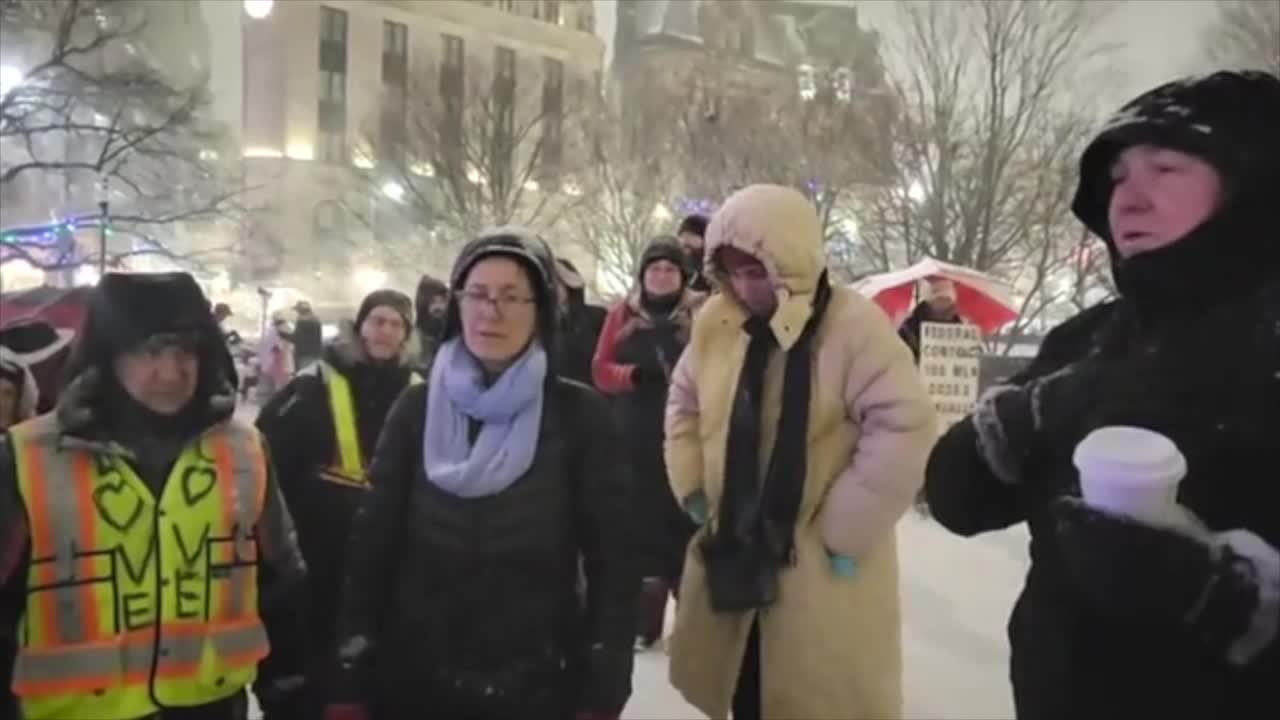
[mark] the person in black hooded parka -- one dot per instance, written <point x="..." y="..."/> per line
<point x="321" y="428"/>
<point x="430" y="301"/>
<point x="1120" y="618"/>
<point x="580" y="324"/>
<point x="489" y="482"/>
<point x="149" y="382"/>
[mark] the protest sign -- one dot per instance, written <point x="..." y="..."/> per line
<point x="950" y="361"/>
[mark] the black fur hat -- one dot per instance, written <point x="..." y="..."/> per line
<point x="127" y="310"/>
<point x="696" y="224"/>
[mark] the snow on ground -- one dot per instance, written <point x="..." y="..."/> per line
<point x="956" y="597"/>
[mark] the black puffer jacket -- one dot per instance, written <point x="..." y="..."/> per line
<point x="580" y="325"/>
<point x="298" y="426"/>
<point x="1192" y="352"/>
<point x="469" y="607"/>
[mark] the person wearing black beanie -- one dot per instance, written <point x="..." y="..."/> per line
<point x="642" y="338"/>
<point x="1172" y="611"/>
<point x="493" y="483"/>
<point x="323" y="427"/>
<point x="691" y="235"/>
<point x="143" y="463"/>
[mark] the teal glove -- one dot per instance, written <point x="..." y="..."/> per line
<point x="842" y="566"/>
<point x="696" y="506"/>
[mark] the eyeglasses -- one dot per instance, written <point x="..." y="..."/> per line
<point x="472" y="300"/>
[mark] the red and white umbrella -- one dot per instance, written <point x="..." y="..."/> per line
<point x="981" y="299"/>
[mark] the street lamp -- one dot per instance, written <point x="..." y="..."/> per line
<point x="10" y="79"/>
<point x="368" y="279"/>
<point x="103" y="204"/>
<point x="257" y="9"/>
<point x="393" y="190"/>
<point x="916" y="191"/>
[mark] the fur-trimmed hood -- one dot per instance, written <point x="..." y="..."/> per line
<point x="79" y="408"/>
<point x="779" y="227"/>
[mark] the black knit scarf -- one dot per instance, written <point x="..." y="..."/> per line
<point x="755" y="532"/>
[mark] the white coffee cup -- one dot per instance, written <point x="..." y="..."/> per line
<point x="1131" y="471"/>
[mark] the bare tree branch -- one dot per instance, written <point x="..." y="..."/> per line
<point x="1245" y="34"/>
<point x="986" y="144"/>
<point x="485" y="154"/>
<point x="90" y="109"/>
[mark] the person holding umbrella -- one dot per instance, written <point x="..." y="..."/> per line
<point x="937" y="305"/>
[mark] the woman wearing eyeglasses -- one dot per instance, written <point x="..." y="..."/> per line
<point x="488" y="484"/>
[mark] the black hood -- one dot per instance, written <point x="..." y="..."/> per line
<point x="1230" y="120"/>
<point x="570" y="278"/>
<point x="534" y="255"/>
<point x="128" y="309"/>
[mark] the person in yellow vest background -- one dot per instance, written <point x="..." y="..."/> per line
<point x="322" y="428"/>
<point x="146" y="554"/>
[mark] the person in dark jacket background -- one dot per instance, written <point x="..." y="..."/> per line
<point x="1121" y="618"/>
<point x="149" y="382"/>
<point x="642" y="338"/>
<point x="307" y="337"/>
<point x="937" y="305"/>
<point x="489" y="483"/>
<point x="580" y="323"/>
<point x="692" y="238"/>
<point x="322" y="427"/>
<point x="430" y="302"/>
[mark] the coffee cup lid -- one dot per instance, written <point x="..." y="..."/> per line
<point x="1130" y="450"/>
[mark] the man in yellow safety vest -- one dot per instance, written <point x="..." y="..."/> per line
<point x="144" y="543"/>
<point x="322" y="428"/>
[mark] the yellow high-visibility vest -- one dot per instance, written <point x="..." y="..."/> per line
<point x="349" y="466"/>
<point x="136" y="604"/>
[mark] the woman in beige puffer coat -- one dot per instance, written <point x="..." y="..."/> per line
<point x="789" y="604"/>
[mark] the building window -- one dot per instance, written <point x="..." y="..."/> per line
<point x="452" y="91"/>
<point x="806" y="82"/>
<point x="395" y="64"/>
<point x="551" y="11"/>
<point x="746" y="37"/>
<point x="552" y="116"/>
<point x="454" y="50"/>
<point x="586" y="21"/>
<point x="395" y="39"/>
<point x="331" y="106"/>
<point x="333" y="25"/>
<point x="333" y="87"/>
<point x="395" y="54"/>
<point x="842" y="84"/>
<point x="507" y="5"/>
<point x="504" y="62"/>
<point x="503" y="129"/>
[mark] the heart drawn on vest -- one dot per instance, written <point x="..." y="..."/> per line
<point x="118" y="505"/>
<point x="197" y="482"/>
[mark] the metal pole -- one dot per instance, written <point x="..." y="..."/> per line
<point x="102" y="239"/>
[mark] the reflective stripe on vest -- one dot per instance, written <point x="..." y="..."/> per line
<point x="350" y="463"/>
<point x="131" y="602"/>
